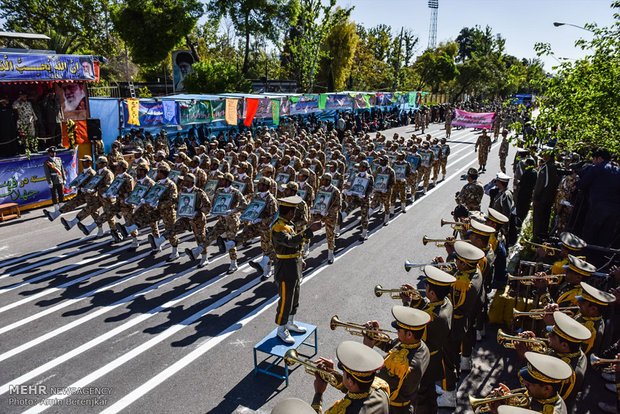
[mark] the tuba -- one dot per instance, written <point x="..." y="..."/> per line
<point x="380" y="335"/>
<point x="539" y="345"/>
<point x="291" y="357"/>
<point x="395" y="293"/>
<point x="516" y="398"/>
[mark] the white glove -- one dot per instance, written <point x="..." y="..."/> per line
<point x="50" y="185"/>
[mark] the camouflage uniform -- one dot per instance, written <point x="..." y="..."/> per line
<point x="331" y="219"/>
<point x="229" y="224"/>
<point x="400" y="182"/>
<point x="363" y="202"/>
<point x="471" y="196"/>
<point x="503" y="154"/>
<point x="443" y="157"/>
<point x="196" y="224"/>
<point x="110" y="207"/>
<point x="384" y="197"/>
<point x="139" y="214"/>
<point x="81" y="197"/>
<point x="424" y="168"/>
<point x="436" y="164"/>
<point x="262" y="228"/>
<point x="413" y="179"/>
<point x="95" y="200"/>
<point x="483" y="146"/>
<point x="164" y="211"/>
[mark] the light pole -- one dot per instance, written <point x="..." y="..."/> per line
<point x="558" y="24"/>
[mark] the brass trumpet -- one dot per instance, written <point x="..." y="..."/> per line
<point x="438" y="242"/>
<point x="456" y="225"/>
<point x="395" y="293"/>
<point x="516" y="397"/>
<point x="334" y="378"/>
<point x="530" y="279"/>
<point x="540" y="345"/>
<point x="551" y="251"/>
<point x="380" y="335"/>
<point x="539" y="313"/>
<point x="601" y="363"/>
<point x="409" y="266"/>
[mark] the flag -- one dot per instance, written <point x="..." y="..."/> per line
<point x="133" y="109"/>
<point x="231" y="111"/>
<point x="275" y="111"/>
<point x="250" y="110"/>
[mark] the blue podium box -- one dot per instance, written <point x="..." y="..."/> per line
<point x="274" y="347"/>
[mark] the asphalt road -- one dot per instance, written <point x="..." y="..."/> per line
<point x="128" y="332"/>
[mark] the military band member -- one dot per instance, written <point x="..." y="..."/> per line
<point x="293" y="406"/>
<point x="93" y="202"/>
<point x="592" y="303"/>
<point x="407" y="359"/>
<point x="332" y="216"/>
<point x="302" y="213"/>
<point x="260" y="226"/>
<point x="287" y="245"/>
<point x="543" y="379"/>
<point x="55" y="176"/>
<point x="565" y="294"/>
<point x="81" y="196"/>
<point x="354" y="200"/>
<point x="365" y="391"/>
<point x="437" y="304"/>
<point x="196" y="223"/>
<point x="569" y="245"/>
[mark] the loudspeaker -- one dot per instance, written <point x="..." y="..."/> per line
<point x="93" y="129"/>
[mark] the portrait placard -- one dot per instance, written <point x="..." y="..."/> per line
<point x="239" y="186"/>
<point x="426" y="158"/>
<point x="413" y="161"/>
<point x="322" y="202"/>
<point x="210" y="187"/>
<point x="152" y="174"/>
<point x="187" y="205"/>
<point x="381" y="183"/>
<point x="222" y="202"/>
<point x="254" y="210"/>
<point x="154" y="194"/>
<point x="80" y="180"/>
<point x="93" y="182"/>
<point x="335" y="182"/>
<point x="112" y="190"/>
<point x="282" y="178"/>
<point x="137" y="194"/>
<point x="359" y="186"/>
<point x="174" y="175"/>
<point x="400" y="172"/>
<point x="303" y="194"/>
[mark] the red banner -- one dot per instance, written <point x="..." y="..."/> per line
<point x="251" y="108"/>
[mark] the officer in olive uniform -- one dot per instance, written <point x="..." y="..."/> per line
<point x="287" y="245"/>
<point x="81" y="197"/>
<point x="365" y="391"/>
<point x="55" y="176"/>
<point x="483" y="146"/>
<point x="407" y="359"/>
<point x="437" y="304"/>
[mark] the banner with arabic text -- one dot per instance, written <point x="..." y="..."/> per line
<point x="306" y="104"/>
<point x="31" y="67"/>
<point x="194" y="112"/>
<point x="22" y="181"/>
<point x="218" y="110"/>
<point x="264" y="109"/>
<point x="338" y="102"/>
<point x="473" y="119"/>
<point x="149" y="114"/>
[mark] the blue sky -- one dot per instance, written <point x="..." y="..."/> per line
<point x="521" y="22"/>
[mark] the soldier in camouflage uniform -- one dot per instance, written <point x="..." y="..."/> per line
<point x="384" y="196"/>
<point x="81" y="197"/>
<point x="196" y="223"/>
<point x="304" y="185"/>
<point x="443" y="157"/>
<point x="503" y="151"/>
<point x="129" y="211"/>
<point x="198" y="172"/>
<point x="424" y="168"/>
<point x="402" y="170"/>
<point x="165" y="210"/>
<point x="227" y="223"/>
<point x="471" y="194"/>
<point x="95" y="202"/>
<point x="260" y="226"/>
<point x="115" y="156"/>
<point x="333" y="214"/>
<point x="413" y="179"/>
<point x="354" y="200"/>
<point x="436" y="164"/>
<point x="484" y="144"/>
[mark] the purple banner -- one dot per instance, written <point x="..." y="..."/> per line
<point x="473" y="119"/>
<point x="338" y="102"/>
<point x="307" y="104"/>
<point x="153" y="114"/>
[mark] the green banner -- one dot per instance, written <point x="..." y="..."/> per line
<point x="367" y="100"/>
<point x="294" y="99"/>
<point x="322" y="101"/>
<point x="218" y="110"/>
<point x="412" y="96"/>
<point x="193" y="112"/>
<point x="275" y="111"/>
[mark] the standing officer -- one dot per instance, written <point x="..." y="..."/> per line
<point x="407" y="359"/>
<point x="484" y="144"/>
<point x="81" y="196"/>
<point x="544" y="195"/>
<point x="287" y="245"/>
<point x="55" y="176"/>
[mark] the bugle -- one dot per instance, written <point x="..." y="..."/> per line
<point x="380" y="335"/>
<point x="456" y="225"/>
<point x="516" y="397"/>
<point x="530" y="279"/>
<point x="606" y="365"/>
<point x="395" y="293"/>
<point x="539" y="313"/>
<point x="334" y="378"/>
<point x="539" y="345"/>
<point x="550" y="250"/>
<point x="438" y="242"/>
<point x="409" y="266"/>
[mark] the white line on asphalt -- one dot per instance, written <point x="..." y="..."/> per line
<point x="209" y="344"/>
<point x="42" y="252"/>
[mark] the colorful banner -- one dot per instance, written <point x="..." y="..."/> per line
<point x="275" y="109"/>
<point x="231" y="111"/>
<point x="386" y="99"/>
<point x="306" y="104"/>
<point x="364" y="101"/>
<point x="32" y="67"/>
<point x="149" y="113"/>
<point x="218" y="110"/>
<point x="473" y="119"/>
<point x="264" y="109"/>
<point x="251" y="106"/>
<point x="338" y="102"/>
<point x="194" y="112"/>
<point x="73" y="99"/>
<point x="22" y="181"/>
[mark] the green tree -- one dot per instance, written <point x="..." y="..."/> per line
<point x="339" y="48"/>
<point x="153" y="28"/>
<point x="215" y="77"/>
<point x="436" y="66"/>
<point x="255" y="19"/>
<point x="580" y="106"/>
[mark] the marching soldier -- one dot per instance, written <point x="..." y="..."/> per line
<point x="332" y="214"/>
<point x="93" y="204"/>
<point x="384" y="195"/>
<point x="196" y="170"/>
<point x="243" y="177"/>
<point x="363" y="201"/>
<point x="303" y="179"/>
<point x="484" y="144"/>
<point x="443" y="157"/>
<point x="413" y="179"/>
<point x="81" y="196"/>
<point x="424" y="168"/>
<point x="259" y="226"/>
<point x="365" y="391"/>
<point x="503" y="151"/>
<point x="407" y="359"/>
<point x="227" y="222"/>
<point x="115" y="156"/>
<point x="471" y="194"/>
<point x="402" y="170"/>
<point x="129" y="211"/>
<point x="55" y="176"/>
<point x="436" y="164"/>
<point x="287" y="245"/>
<point x="196" y="223"/>
<point x="437" y="304"/>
